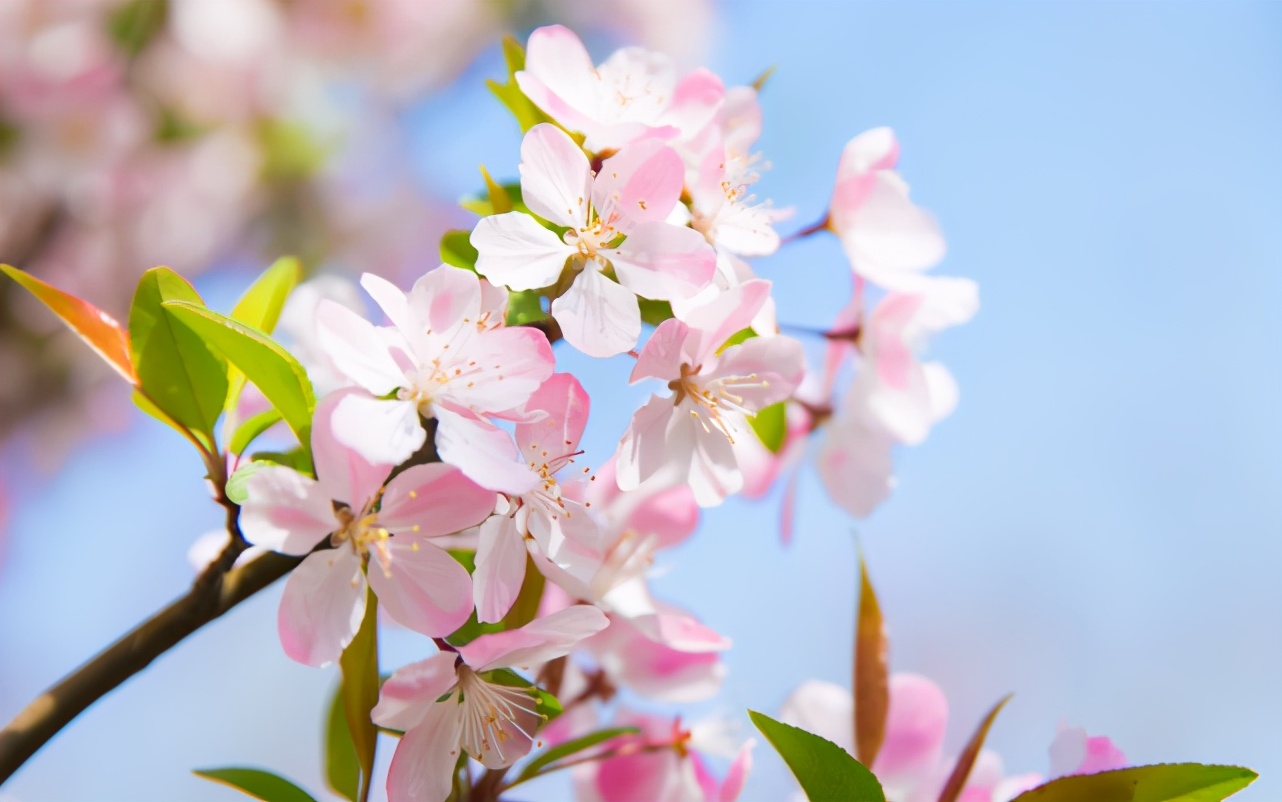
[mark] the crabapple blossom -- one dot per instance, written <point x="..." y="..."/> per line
<point x="663" y="761"/>
<point x="689" y="435"/>
<point x="387" y="526"/>
<point x="446" y="356"/>
<point x="444" y="703"/>
<point x="887" y="238"/>
<point x="633" y="95"/>
<point x="630" y="197"/>
<point x="547" y="521"/>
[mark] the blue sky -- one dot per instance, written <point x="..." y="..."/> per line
<point x="1097" y="528"/>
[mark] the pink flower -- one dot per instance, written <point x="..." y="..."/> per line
<point x="689" y="435"/>
<point x="421" y="586"/>
<point x="553" y="526"/>
<point x="444" y="703"/>
<point x="630" y="198"/>
<point x="662" y="762"/>
<point x="633" y="95"/>
<point x="888" y="239"/>
<point x="447" y="356"/>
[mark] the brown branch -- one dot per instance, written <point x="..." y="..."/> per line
<point x="218" y="589"/>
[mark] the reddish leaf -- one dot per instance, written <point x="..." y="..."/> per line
<point x="97" y="328"/>
<point x="966" y="760"/>
<point x="872" y="673"/>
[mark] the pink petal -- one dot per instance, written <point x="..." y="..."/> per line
<point x="915" y="727"/>
<point x="663" y="354"/>
<point x="661" y="261"/>
<point x="344" y="474"/>
<point x="597" y="316"/>
<point x="890" y="237"/>
<point x="778" y="363"/>
<point x="286" y="511"/>
<point x="639" y="184"/>
<point x="514" y="250"/>
<point x="423" y="587"/>
<point x="732" y="786"/>
<point x="730" y="312"/>
<point x="322" y="606"/>
<point x="356" y="348"/>
<point x="642" y="451"/>
<point x="482" y="451"/>
<point x="500" y="568"/>
<point x="559" y="76"/>
<point x="537" y="642"/>
<point x="422" y="768"/>
<point x="698" y="97"/>
<point x="712" y="470"/>
<point x="384" y="432"/>
<point x="516" y="360"/>
<point x="855" y="465"/>
<point x="431" y="500"/>
<point x="566" y="403"/>
<point x="446" y="299"/>
<point x="411" y="691"/>
<point x="556" y="179"/>
<point x="390" y="299"/>
<point x="655" y="669"/>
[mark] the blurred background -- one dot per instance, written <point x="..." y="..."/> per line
<point x="1098" y="527"/>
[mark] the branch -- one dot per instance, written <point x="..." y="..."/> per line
<point x="214" y="592"/>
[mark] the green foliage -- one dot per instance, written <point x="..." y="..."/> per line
<point x="525" y="307"/>
<point x="259" y="308"/>
<point x="740" y="336"/>
<point x="457" y="250"/>
<point x="510" y="95"/>
<point x="342" y="767"/>
<point x="523" y="609"/>
<point x="248" y="431"/>
<point x="571" y="747"/>
<point x="484" y="206"/>
<point x="966" y="760"/>
<point x="654" y="312"/>
<point x="294" y="458"/>
<point x="177" y="371"/>
<point x="277" y="374"/>
<point x="824" y="770"/>
<point x="257" y="783"/>
<point x="237" y="484"/>
<point x="1167" y="782"/>
<point x="289" y="151"/>
<point x="771" y="426"/>
<point x="134" y="24"/>
<point x="359" y="692"/>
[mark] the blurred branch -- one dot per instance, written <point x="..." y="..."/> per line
<point x="218" y="589"/>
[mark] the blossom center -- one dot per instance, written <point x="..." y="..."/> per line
<point x="363" y="534"/>
<point x="716" y="402"/>
<point x="490" y="713"/>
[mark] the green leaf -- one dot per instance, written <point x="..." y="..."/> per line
<point x="483" y="206"/>
<point x="525" y="307"/>
<point x="824" y="770"/>
<point x="248" y="431"/>
<point x="102" y="333"/>
<point x="771" y="426"/>
<point x="457" y="250"/>
<point x="277" y="374"/>
<point x="134" y="24"/>
<point x="654" y="312"/>
<point x="177" y="370"/>
<point x="570" y="747"/>
<point x="509" y="94"/>
<point x="871" y="672"/>
<point x="359" y="664"/>
<point x="239" y="480"/>
<point x="290" y="151"/>
<point x="966" y="760"/>
<point x="1167" y="782"/>
<point x="342" y="767"/>
<point x="295" y="458"/>
<point x="257" y="783"/>
<point x="259" y="308"/>
<point x="523" y="609"/>
<point x="740" y="336"/>
<point x="500" y="200"/>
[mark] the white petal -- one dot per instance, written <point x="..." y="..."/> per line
<point x="500" y="568"/>
<point x="411" y="691"/>
<point x="356" y="348"/>
<point x="556" y="179"/>
<point x="598" y="316"/>
<point x="286" y="511"/>
<point x="383" y="432"/>
<point x="515" y="251"/>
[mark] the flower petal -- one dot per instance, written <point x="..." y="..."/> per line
<point x="537" y="642"/>
<point x="598" y="316"/>
<point x="515" y="251"/>
<point x="643" y="450"/>
<point x="422" y="767"/>
<point x="344" y="473"/>
<point x="558" y="434"/>
<point x="356" y="348"/>
<point x="411" y="691"/>
<point x="662" y="261"/>
<point x="322" y="606"/>
<point x="384" y="432"/>
<point x="556" y="179"/>
<point x="639" y="184"/>
<point x="286" y="511"/>
<point x="423" y="587"/>
<point x="431" y="500"/>
<point x="500" y="568"/>
<point x="482" y="451"/>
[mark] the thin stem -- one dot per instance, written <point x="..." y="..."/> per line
<point x="813" y="228"/>
<point x="218" y="589"/>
